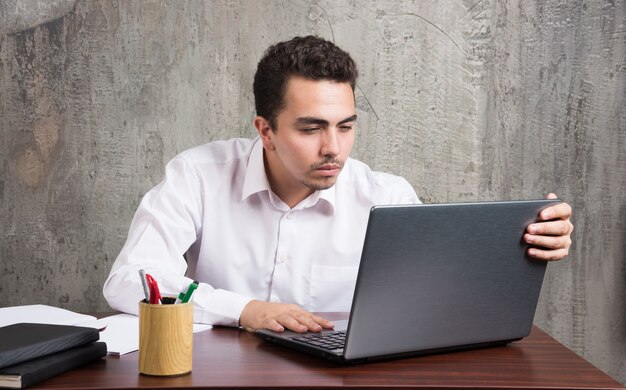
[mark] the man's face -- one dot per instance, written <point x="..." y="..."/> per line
<point x="313" y="138"/>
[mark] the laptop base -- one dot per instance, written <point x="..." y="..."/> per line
<point x="339" y="358"/>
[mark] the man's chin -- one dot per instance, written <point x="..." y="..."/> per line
<point x="320" y="185"/>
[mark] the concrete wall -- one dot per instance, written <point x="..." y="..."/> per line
<point x="466" y="99"/>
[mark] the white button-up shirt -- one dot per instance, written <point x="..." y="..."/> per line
<point x="241" y="241"/>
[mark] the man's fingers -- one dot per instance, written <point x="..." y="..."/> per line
<point x="549" y="255"/>
<point x="560" y="211"/>
<point x="303" y="321"/>
<point x="280" y="316"/>
<point x="549" y="242"/>
<point x="323" y="321"/>
<point x="551" y="236"/>
<point x="307" y="320"/>
<point x="552" y="228"/>
<point x="291" y="323"/>
<point x="272" y="324"/>
<point x="313" y="322"/>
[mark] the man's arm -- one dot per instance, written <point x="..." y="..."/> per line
<point x="550" y="238"/>
<point x="165" y="225"/>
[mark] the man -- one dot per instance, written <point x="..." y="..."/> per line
<point x="272" y="228"/>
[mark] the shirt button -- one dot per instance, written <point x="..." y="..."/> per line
<point x="282" y="259"/>
<point x="290" y="216"/>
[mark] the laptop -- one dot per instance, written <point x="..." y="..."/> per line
<point x="435" y="278"/>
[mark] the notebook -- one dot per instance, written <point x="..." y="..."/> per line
<point x="33" y="371"/>
<point x="436" y="278"/>
<point x="24" y="341"/>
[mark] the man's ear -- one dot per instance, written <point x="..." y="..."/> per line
<point x="265" y="132"/>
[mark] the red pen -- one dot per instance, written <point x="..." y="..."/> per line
<point x="155" y="294"/>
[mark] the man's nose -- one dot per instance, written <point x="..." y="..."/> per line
<point x="330" y="143"/>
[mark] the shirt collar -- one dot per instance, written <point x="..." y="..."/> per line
<point x="329" y="197"/>
<point x="256" y="181"/>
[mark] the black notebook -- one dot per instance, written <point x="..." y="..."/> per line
<point x="34" y="371"/>
<point x="24" y="341"/>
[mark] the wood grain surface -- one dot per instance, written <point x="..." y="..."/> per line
<point x="232" y="358"/>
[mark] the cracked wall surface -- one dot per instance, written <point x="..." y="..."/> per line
<point x="468" y="100"/>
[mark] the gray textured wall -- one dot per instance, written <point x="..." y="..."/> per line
<point x="466" y="99"/>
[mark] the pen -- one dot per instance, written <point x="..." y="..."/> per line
<point x="155" y="294"/>
<point x="146" y="291"/>
<point x="186" y="297"/>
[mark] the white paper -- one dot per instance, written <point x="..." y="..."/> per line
<point x="122" y="333"/>
<point x="43" y="314"/>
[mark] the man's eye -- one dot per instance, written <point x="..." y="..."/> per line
<point x="310" y="129"/>
<point x="345" y="129"/>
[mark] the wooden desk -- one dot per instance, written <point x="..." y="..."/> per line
<point x="228" y="358"/>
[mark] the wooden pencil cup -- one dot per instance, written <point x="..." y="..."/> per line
<point x="165" y="338"/>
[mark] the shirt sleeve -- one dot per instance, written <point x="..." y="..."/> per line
<point x="166" y="224"/>
<point x="403" y="192"/>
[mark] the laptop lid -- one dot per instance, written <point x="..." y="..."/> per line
<point x="444" y="275"/>
<point x="438" y="277"/>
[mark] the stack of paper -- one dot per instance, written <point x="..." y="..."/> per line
<point x="43" y="314"/>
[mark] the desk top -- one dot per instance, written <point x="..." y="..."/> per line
<point x="228" y="357"/>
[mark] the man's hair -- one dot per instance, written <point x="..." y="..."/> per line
<point x="308" y="57"/>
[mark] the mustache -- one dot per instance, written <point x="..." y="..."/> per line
<point x="327" y="161"/>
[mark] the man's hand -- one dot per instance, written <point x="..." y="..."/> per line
<point x="278" y="316"/>
<point x="551" y="239"/>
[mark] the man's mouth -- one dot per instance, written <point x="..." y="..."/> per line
<point x="328" y="169"/>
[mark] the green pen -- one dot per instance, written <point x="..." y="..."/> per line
<point x="186" y="297"/>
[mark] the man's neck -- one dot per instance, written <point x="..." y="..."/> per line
<point x="291" y="193"/>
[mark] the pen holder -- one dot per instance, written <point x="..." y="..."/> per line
<point x="165" y="338"/>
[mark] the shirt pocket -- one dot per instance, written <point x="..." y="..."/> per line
<point x="332" y="287"/>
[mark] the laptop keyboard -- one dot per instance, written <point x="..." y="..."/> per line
<point x="326" y="340"/>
